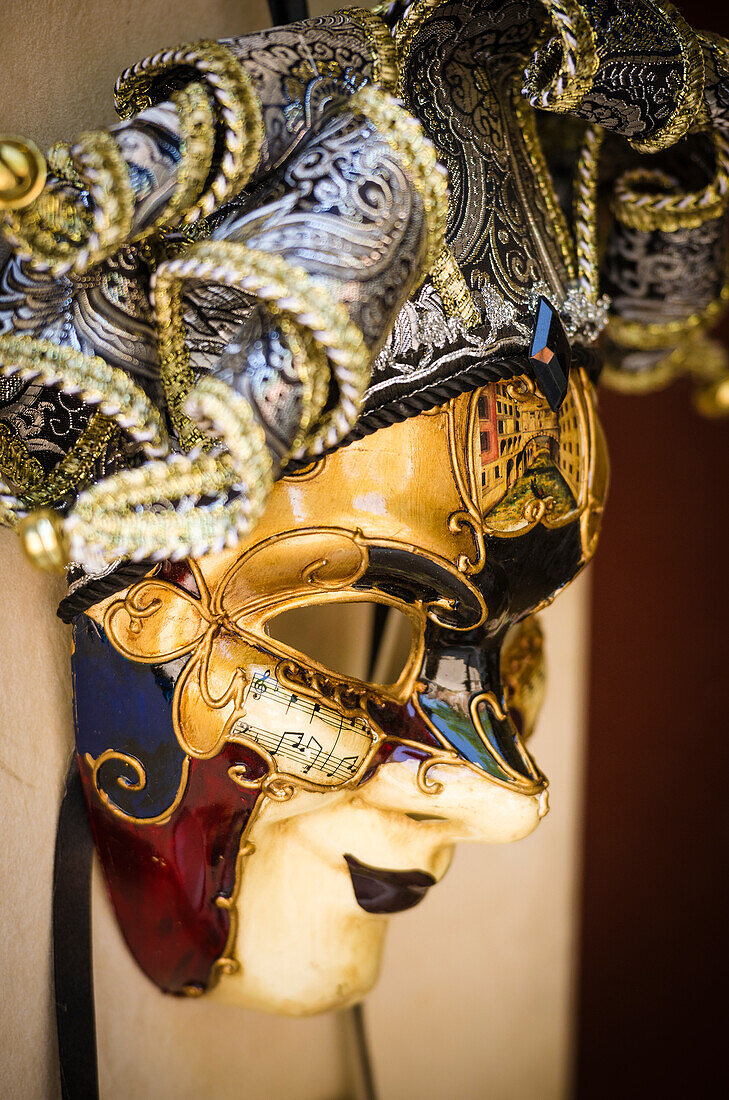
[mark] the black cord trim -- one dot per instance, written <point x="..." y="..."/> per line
<point x="81" y="599"/>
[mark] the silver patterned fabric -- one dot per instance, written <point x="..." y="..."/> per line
<point x="489" y="81"/>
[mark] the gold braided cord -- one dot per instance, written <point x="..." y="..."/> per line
<point x="585" y="213"/>
<point x="698" y="355"/>
<point x="238" y="109"/>
<point x="312" y="369"/>
<point x="417" y="154"/>
<point x="197" y="134"/>
<point x="175" y="371"/>
<point x="449" y="281"/>
<point x="571" y="56"/>
<point x="56" y="231"/>
<point x="647" y="210"/>
<point x="291" y="289"/>
<point x="119" y="516"/>
<point x="10" y="511"/>
<point x="691" y="96"/>
<point x="92" y="379"/>
<point x="654" y="336"/>
<point x="380" y="41"/>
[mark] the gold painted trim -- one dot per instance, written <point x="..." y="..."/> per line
<point x="136" y="765"/>
<point x="451" y="758"/>
<point x="463" y="451"/>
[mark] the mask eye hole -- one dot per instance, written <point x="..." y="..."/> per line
<point x="359" y="641"/>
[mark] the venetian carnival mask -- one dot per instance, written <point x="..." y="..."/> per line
<point x="317" y="324"/>
<point x="257" y="814"/>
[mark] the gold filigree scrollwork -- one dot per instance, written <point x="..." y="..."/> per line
<point x="138" y="784"/>
<point x="533" y="784"/>
<point x="462" y="450"/>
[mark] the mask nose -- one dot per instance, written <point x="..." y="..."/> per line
<point x="461" y="701"/>
<point x="477" y="727"/>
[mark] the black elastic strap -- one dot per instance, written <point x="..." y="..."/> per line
<point x="72" y="961"/>
<point x="287" y="11"/>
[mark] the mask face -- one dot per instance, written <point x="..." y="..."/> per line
<point x="257" y="813"/>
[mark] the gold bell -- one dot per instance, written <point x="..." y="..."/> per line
<point x="44" y="541"/>
<point x="22" y="172"/>
<point x="713" y="400"/>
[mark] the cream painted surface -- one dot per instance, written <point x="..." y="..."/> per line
<point x="475" y="997"/>
<point x="304" y="943"/>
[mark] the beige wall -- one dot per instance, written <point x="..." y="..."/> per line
<point x="475" y="998"/>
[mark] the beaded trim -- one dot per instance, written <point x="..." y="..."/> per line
<point x="238" y="109"/>
<point x="455" y="293"/>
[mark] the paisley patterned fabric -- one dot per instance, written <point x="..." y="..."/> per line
<point x="550" y="116"/>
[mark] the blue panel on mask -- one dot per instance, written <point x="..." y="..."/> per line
<point x="126" y="707"/>
<point x="460" y="732"/>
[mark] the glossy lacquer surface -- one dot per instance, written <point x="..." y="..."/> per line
<point x="251" y="805"/>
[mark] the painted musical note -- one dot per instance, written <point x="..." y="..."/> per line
<point x="318" y="742"/>
<point x="259" y="684"/>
